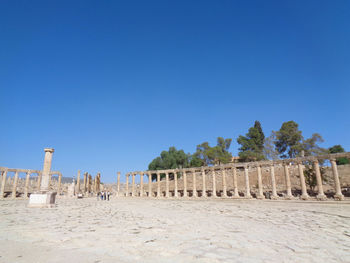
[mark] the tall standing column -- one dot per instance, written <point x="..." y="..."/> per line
<point x="235" y="184"/>
<point x="247" y="186"/>
<point x="204" y="189"/>
<point x="214" y="184"/>
<point x="118" y="183"/>
<point x="59" y="184"/>
<point x="26" y="186"/>
<point x="14" y="187"/>
<point x="320" y="195"/>
<point x="78" y="182"/>
<point x="176" y="192"/>
<point x="260" y="185"/>
<point x="85" y="180"/>
<point x="141" y="184"/>
<point x="338" y="194"/>
<point x="39" y="181"/>
<point x="127" y="185"/>
<point x="194" y="184"/>
<point x="273" y="182"/>
<point x="224" y="186"/>
<point x="304" y="194"/>
<point x="158" y="184"/>
<point x="3" y="182"/>
<point x="185" y="183"/>
<point x="44" y="186"/>
<point x="132" y="184"/>
<point x="288" y="184"/>
<point x="149" y="185"/>
<point x="166" y="184"/>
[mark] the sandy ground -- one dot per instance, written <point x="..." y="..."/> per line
<point x="141" y="230"/>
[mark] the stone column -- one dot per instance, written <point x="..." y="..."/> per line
<point x="214" y="185"/>
<point x="194" y="183"/>
<point x="338" y="194"/>
<point x="44" y="186"/>
<point x="14" y="187"/>
<point x="224" y="186"/>
<point x="235" y="185"/>
<point x="166" y="184"/>
<point x="78" y="182"/>
<point x="127" y="185"/>
<point x="141" y="184"/>
<point x="132" y="184"/>
<point x="39" y="181"/>
<point x="158" y="184"/>
<point x="260" y="185"/>
<point x="176" y="193"/>
<point x="304" y="194"/>
<point x="3" y="182"/>
<point x="118" y="183"/>
<point x="85" y="181"/>
<point x="204" y="189"/>
<point x="185" y="183"/>
<point x="289" y="195"/>
<point x="26" y="184"/>
<point x="273" y="182"/>
<point x="59" y="184"/>
<point x="149" y="185"/>
<point x="321" y="196"/>
<point x="247" y="186"/>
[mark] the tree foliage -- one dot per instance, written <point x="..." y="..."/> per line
<point x="252" y="144"/>
<point x="207" y="155"/>
<point x="290" y="142"/>
<point x="339" y="149"/>
<point x="170" y="159"/>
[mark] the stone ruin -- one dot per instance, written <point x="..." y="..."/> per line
<point x="241" y="180"/>
<point x="16" y="187"/>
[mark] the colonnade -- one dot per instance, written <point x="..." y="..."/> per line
<point x="4" y="175"/>
<point x="232" y="168"/>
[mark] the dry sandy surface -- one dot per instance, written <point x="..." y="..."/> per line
<point x="141" y="230"/>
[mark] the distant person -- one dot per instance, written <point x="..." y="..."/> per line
<point x="108" y="194"/>
<point x="98" y="195"/>
<point x="104" y="195"/>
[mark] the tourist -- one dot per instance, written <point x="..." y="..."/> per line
<point x="104" y="195"/>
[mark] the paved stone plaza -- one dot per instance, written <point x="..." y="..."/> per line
<point x="130" y="230"/>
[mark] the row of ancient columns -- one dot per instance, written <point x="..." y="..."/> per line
<point x="89" y="184"/>
<point x="247" y="193"/>
<point x="26" y="186"/>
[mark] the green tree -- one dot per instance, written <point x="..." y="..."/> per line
<point x="288" y="140"/>
<point x="206" y="155"/>
<point x="339" y="149"/>
<point x="170" y="159"/>
<point x="252" y="144"/>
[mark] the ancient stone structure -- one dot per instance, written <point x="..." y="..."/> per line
<point x="45" y="197"/>
<point x="229" y="173"/>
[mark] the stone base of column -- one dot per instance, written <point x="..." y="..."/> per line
<point x="321" y="197"/>
<point x="339" y="197"/>
<point x="248" y="196"/>
<point x="42" y="200"/>
<point x="289" y="197"/>
<point x="236" y="196"/>
<point x="261" y="197"/>
<point x="274" y="197"/>
<point x="304" y="197"/>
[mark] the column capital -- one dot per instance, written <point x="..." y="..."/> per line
<point x="51" y="150"/>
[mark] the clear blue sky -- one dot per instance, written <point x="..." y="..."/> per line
<point x="110" y="84"/>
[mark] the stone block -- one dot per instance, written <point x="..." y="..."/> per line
<point x="45" y="200"/>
